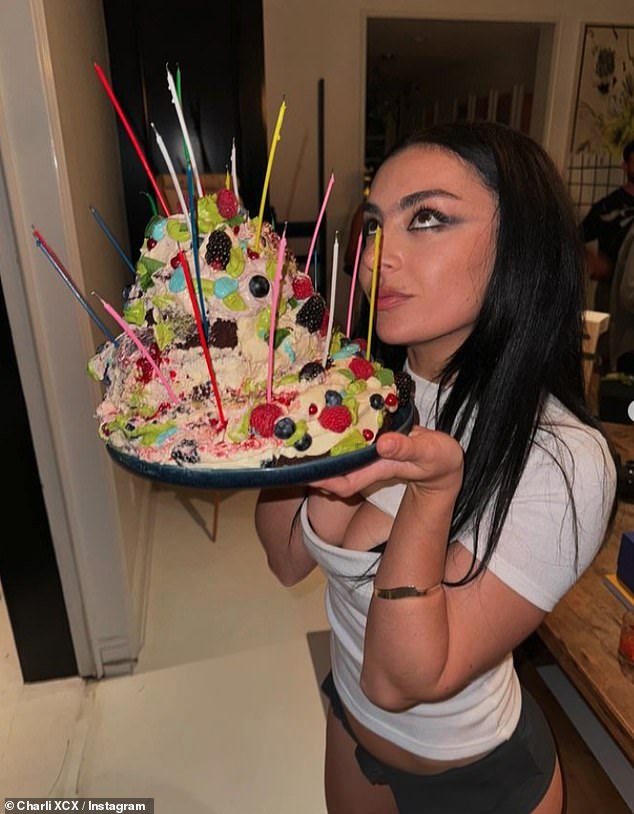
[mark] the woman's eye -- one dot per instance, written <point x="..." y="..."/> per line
<point x="370" y="227"/>
<point x="428" y="219"/>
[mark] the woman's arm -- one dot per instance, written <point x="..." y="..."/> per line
<point x="280" y="532"/>
<point x="428" y="648"/>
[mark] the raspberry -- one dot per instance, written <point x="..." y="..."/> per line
<point x="303" y="287"/>
<point x="337" y="418"/>
<point x="227" y="203"/>
<point x="362" y="368"/>
<point x="404" y="387"/>
<point x="218" y="250"/>
<point x="263" y="418"/>
<point x="311" y="314"/>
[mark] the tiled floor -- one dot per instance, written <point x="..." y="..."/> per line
<point x="223" y="714"/>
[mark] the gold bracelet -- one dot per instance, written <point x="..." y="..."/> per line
<point x="405" y="591"/>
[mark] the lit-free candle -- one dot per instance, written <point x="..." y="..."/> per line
<point x="65" y="276"/>
<point x="142" y="349"/>
<point x="112" y="239"/>
<point x="318" y="224"/>
<point x="333" y="291"/>
<point x="353" y="283"/>
<point x="183" y="126"/>
<point x="201" y="334"/>
<point x="375" y="277"/>
<point x="267" y="177"/>
<point x="275" y="299"/>
<point x="132" y="137"/>
<point x="234" y="170"/>
<point x="170" y="169"/>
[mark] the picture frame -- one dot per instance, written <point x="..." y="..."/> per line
<point x="604" y="109"/>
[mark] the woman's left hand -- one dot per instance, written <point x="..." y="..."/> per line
<point x="429" y="459"/>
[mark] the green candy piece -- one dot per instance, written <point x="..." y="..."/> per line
<point x="270" y="269"/>
<point x="134" y="314"/>
<point x="178" y="230"/>
<point x="356" y="386"/>
<point x="208" y="215"/>
<point x="385" y="376"/>
<point x="163" y="333"/>
<point x="235" y="302"/>
<point x="235" y="267"/>
<point x="351" y="441"/>
<point x="240" y="431"/>
<point x="207" y="287"/>
<point x="148" y="433"/>
<point x="263" y="323"/>
<point x="353" y="405"/>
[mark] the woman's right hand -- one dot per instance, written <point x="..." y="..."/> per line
<point x="429" y="460"/>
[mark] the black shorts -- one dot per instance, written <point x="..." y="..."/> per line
<point x="511" y="779"/>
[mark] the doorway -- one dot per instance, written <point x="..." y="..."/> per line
<point x="420" y="72"/>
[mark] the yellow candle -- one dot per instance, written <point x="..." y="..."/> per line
<point x="227" y="180"/>
<point x="267" y="178"/>
<point x="375" y="277"/>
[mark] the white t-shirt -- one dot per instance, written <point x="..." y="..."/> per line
<point x="535" y="557"/>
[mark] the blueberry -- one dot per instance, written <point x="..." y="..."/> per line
<point x="303" y="443"/>
<point x="259" y="286"/>
<point x="284" y="428"/>
<point x="377" y="401"/>
<point x="332" y="398"/>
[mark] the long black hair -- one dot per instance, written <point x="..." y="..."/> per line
<point x="526" y="343"/>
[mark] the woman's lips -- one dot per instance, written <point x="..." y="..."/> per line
<point x="388" y="299"/>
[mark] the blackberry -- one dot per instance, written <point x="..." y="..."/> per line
<point x="303" y="443"/>
<point x="332" y="398"/>
<point x="185" y="453"/>
<point x="310" y="371"/>
<point x="284" y="428"/>
<point x="259" y="286"/>
<point x="311" y="314"/>
<point x="404" y="387"/>
<point x="218" y="250"/>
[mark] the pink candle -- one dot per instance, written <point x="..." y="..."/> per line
<point x="333" y="291"/>
<point x="144" y="351"/>
<point x="319" y="219"/>
<point x="281" y="250"/>
<point x="353" y="283"/>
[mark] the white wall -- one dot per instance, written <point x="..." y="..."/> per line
<point x="306" y="41"/>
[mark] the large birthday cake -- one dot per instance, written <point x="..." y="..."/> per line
<point x="198" y="381"/>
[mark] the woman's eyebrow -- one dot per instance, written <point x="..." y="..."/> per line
<point x="408" y="201"/>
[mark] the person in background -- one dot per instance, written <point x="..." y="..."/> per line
<point x="447" y="551"/>
<point x="605" y="227"/>
<point x="621" y="327"/>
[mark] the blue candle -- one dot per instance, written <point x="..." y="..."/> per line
<point x="112" y="239"/>
<point x="41" y="244"/>
<point x="194" y="230"/>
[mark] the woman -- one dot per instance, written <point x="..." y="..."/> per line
<point x="447" y="552"/>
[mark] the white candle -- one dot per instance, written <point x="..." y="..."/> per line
<point x="181" y="120"/>
<point x="234" y="170"/>
<point x="170" y="169"/>
<point x="333" y="291"/>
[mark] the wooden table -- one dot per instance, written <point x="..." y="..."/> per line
<point x="582" y="632"/>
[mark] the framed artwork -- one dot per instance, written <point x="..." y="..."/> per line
<point x="604" y="112"/>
